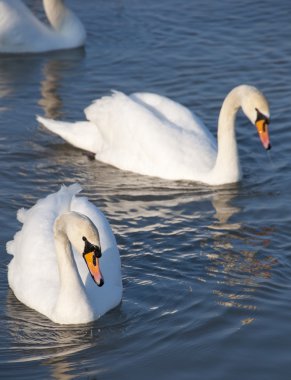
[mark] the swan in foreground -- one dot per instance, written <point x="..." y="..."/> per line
<point x="65" y="264"/>
<point x="22" y="32"/>
<point x="153" y="135"/>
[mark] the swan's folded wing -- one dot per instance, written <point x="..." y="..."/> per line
<point x="170" y="110"/>
<point x="141" y="139"/>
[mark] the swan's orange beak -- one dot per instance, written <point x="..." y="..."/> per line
<point x="263" y="131"/>
<point x="92" y="262"/>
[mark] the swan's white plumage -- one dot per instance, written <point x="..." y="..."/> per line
<point x="33" y="273"/>
<point x="139" y="133"/>
<point x="22" y="32"/>
<point x="153" y="135"/>
<point x="150" y="134"/>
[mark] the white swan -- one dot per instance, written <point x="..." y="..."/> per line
<point x="22" y="32"/>
<point x="48" y="276"/>
<point x="153" y="135"/>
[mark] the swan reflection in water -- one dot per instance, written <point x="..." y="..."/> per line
<point x="35" y="338"/>
<point x="236" y="264"/>
<point x="51" y="101"/>
<point x="39" y="338"/>
<point x="24" y="75"/>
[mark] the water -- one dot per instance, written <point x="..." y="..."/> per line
<point x="206" y="271"/>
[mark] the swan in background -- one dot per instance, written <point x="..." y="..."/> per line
<point x="65" y="264"/>
<point x="153" y="135"/>
<point x="22" y="32"/>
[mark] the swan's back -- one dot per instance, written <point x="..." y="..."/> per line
<point x="168" y="110"/>
<point x="140" y="130"/>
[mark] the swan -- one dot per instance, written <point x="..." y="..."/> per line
<point x="68" y="285"/>
<point x="150" y="134"/>
<point x="22" y="32"/>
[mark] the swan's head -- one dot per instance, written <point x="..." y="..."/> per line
<point x="92" y="254"/>
<point x="256" y="108"/>
<point x="84" y="237"/>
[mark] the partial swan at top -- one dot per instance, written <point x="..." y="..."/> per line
<point x="22" y="32"/>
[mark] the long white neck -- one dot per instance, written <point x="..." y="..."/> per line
<point x="55" y="11"/>
<point x="72" y="305"/>
<point x="227" y="166"/>
<point x="63" y="20"/>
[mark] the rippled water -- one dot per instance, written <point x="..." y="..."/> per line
<point x="207" y="271"/>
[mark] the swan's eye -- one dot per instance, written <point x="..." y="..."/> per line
<point x="261" y="116"/>
<point x="89" y="247"/>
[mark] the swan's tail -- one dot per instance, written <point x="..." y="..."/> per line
<point x="81" y="134"/>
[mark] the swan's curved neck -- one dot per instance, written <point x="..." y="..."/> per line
<point x="227" y="165"/>
<point x="72" y="300"/>
<point x="55" y="11"/>
<point x="69" y="276"/>
<point x="63" y="20"/>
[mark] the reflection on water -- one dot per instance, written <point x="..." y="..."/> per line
<point x="237" y="265"/>
<point x="60" y="369"/>
<point x="51" y="100"/>
<point x="35" y="337"/>
<point x="52" y="71"/>
<point x="17" y="72"/>
<point x="224" y="209"/>
<point x="31" y="337"/>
